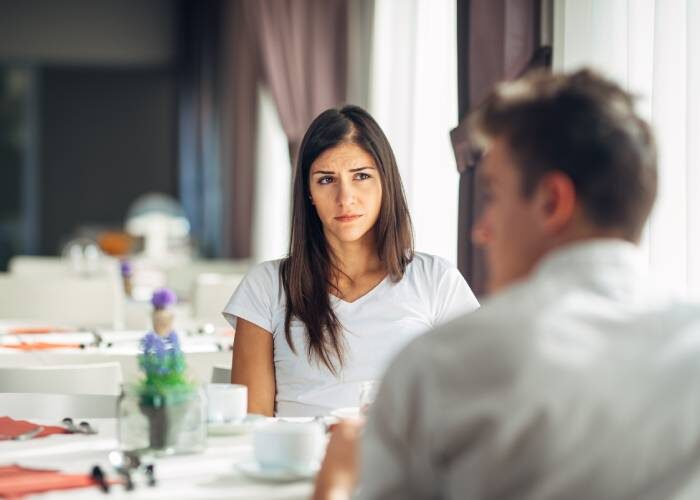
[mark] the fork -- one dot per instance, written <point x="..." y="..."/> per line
<point x="24" y="436"/>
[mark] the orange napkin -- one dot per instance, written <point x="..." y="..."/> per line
<point x="22" y="330"/>
<point x="17" y="481"/>
<point x="40" y="346"/>
<point x="12" y="427"/>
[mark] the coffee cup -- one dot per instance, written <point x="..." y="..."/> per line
<point x="289" y="445"/>
<point x="227" y="402"/>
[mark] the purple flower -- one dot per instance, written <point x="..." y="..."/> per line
<point x="125" y="268"/>
<point x="163" y="297"/>
<point x="173" y="341"/>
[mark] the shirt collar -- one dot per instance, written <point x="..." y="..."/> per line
<point x="588" y="256"/>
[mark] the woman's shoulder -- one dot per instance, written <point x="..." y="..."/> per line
<point x="264" y="273"/>
<point x="428" y="265"/>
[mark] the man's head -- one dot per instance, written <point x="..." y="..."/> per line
<point x="566" y="159"/>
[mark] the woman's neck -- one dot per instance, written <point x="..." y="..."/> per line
<point x="356" y="259"/>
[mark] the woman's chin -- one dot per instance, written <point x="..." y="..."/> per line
<point x="349" y="236"/>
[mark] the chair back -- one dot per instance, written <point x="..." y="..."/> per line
<point x="33" y="265"/>
<point x="85" y="302"/>
<point x="210" y="295"/>
<point x="221" y="374"/>
<point x="57" y="406"/>
<point x="182" y="278"/>
<point x="97" y="378"/>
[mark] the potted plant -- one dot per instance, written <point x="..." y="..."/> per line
<point x="173" y="405"/>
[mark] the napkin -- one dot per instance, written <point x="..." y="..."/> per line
<point x="23" y="330"/>
<point x="17" y="481"/>
<point x="12" y="427"/>
<point x="41" y="346"/>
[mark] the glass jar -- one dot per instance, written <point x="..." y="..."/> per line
<point x="166" y="423"/>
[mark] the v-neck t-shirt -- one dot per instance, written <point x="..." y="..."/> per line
<point x="375" y="327"/>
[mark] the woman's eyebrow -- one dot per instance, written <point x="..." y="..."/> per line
<point x="368" y="167"/>
<point x="322" y="172"/>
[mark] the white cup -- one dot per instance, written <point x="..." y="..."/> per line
<point x="227" y="402"/>
<point x="289" y="445"/>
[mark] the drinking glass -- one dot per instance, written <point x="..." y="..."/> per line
<point x="368" y="393"/>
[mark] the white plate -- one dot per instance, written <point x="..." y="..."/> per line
<point x="350" y="413"/>
<point x="253" y="470"/>
<point x="234" y="428"/>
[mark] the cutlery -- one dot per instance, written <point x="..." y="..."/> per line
<point x="82" y="428"/>
<point x="99" y="477"/>
<point x="127" y="461"/>
<point x="24" y="436"/>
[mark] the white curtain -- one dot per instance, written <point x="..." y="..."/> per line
<point x="273" y="180"/>
<point x="652" y="47"/>
<point x="413" y="96"/>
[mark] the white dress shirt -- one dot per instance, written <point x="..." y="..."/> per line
<point x="581" y="382"/>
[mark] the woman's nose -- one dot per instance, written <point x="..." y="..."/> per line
<point x="346" y="193"/>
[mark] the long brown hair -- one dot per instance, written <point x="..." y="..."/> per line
<point x="307" y="272"/>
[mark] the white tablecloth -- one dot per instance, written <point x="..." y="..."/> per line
<point x="208" y="475"/>
<point x="202" y="352"/>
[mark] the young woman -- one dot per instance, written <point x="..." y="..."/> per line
<point x="312" y="327"/>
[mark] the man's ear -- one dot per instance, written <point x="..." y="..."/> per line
<point x="556" y="196"/>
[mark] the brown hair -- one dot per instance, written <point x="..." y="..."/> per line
<point x="585" y="126"/>
<point x="306" y="274"/>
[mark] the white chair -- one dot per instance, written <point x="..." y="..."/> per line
<point x="90" y="302"/>
<point x="57" y="406"/>
<point x="210" y="294"/>
<point x="182" y="277"/>
<point x="98" y="378"/>
<point x="32" y="265"/>
<point x="221" y="374"/>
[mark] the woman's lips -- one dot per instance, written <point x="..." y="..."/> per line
<point x="347" y="218"/>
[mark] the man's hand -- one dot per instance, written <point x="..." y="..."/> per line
<point x="338" y="475"/>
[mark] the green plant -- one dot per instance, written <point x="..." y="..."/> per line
<point x="164" y="367"/>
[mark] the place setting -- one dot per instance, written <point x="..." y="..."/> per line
<point x="227" y="410"/>
<point x="285" y="451"/>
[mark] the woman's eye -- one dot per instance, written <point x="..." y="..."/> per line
<point x="327" y="179"/>
<point x="361" y="176"/>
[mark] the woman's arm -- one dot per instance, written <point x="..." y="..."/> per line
<point x="253" y="366"/>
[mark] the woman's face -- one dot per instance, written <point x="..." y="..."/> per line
<point x="346" y="190"/>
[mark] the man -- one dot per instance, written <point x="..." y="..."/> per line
<point x="577" y="379"/>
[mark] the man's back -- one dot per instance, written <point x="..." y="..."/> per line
<point x="578" y="383"/>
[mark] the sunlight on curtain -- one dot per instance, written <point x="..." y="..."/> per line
<point x="652" y="47"/>
<point x="413" y="96"/>
<point x="273" y="173"/>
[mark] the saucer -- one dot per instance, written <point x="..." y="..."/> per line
<point x="253" y="470"/>
<point x="235" y="428"/>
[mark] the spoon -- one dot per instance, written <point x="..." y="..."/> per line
<point x="124" y="462"/>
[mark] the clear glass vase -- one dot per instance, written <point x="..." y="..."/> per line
<point x="165" y="423"/>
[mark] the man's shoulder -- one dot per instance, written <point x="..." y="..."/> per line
<point x="489" y="330"/>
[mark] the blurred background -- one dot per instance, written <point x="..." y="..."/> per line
<point x="103" y="103"/>
<point x="160" y="132"/>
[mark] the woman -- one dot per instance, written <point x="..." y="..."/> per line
<point x="310" y="328"/>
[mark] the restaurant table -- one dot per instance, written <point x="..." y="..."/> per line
<point x="202" y="352"/>
<point x="211" y="474"/>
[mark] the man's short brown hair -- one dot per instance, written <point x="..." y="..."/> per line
<point x="585" y="126"/>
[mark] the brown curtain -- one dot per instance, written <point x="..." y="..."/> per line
<point x="303" y="54"/>
<point x="298" y="48"/>
<point x="497" y="40"/>
<point x="240" y="99"/>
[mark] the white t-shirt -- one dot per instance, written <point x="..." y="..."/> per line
<point x="376" y="326"/>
